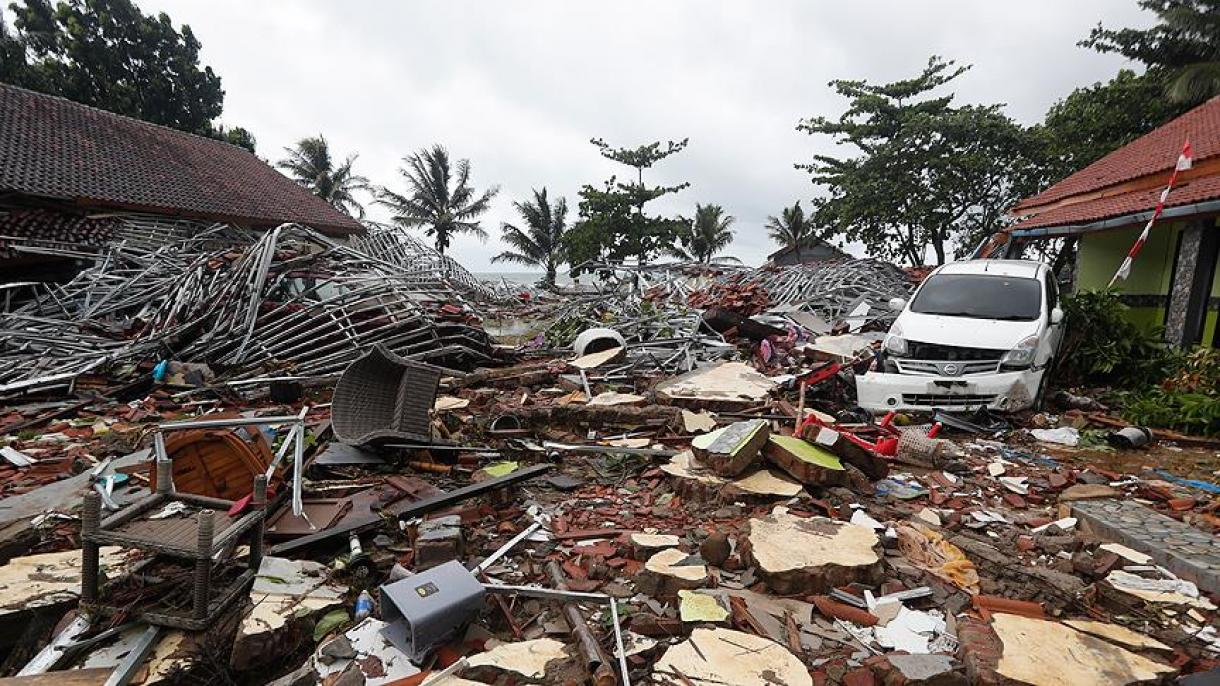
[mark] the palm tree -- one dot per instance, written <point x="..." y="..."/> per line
<point x="708" y="234"/>
<point x="310" y="165"/>
<point x="791" y="229"/>
<point x="540" y="244"/>
<point x="439" y="197"/>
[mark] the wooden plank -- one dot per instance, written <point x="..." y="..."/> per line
<point x="68" y="677"/>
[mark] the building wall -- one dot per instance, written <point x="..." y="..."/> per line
<point x="1146" y="290"/>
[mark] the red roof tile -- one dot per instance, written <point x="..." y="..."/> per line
<point x="53" y="147"/>
<point x="1185" y="193"/>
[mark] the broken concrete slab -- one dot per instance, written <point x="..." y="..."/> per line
<point x="811" y="555"/>
<point x="1086" y="492"/>
<point x="1187" y="551"/>
<point x="692" y="480"/>
<point x="611" y="399"/>
<point x="665" y="574"/>
<point x="807" y="463"/>
<point x="438" y="541"/>
<point x="698" y="422"/>
<point x="730" y="450"/>
<point x="51" y="578"/>
<point x="729" y="658"/>
<point x="285" y="596"/>
<point x="520" y="659"/>
<point x="644" y="546"/>
<point x="763" y="483"/>
<point x="1117" y="634"/>
<point x="926" y="670"/>
<point x="380" y="659"/>
<point x="1037" y="651"/>
<point x="694" y="606"/>
<point x="726" y="382"/>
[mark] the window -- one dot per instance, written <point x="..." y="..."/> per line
<point x="980" y="296"/>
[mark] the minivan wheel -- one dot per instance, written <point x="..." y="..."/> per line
<point x="1040" y="397"/>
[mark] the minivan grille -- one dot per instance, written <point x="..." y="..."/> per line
<point x="950" y="353"/>
<point x="947" y="400"/>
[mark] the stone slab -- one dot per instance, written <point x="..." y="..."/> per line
<point x="1182" y="549"/>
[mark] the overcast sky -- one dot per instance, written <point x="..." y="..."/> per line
<point x="520" y="87"/>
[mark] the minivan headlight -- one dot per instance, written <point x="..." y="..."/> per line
<point x="895" y="344"/>
<point x="1022" y="356"/>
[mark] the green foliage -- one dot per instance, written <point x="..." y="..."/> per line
<point x="791" y="229"/>
<point x="613" y="225"/>
<point x="1185" y="43"/>
<point x="439" y="197"/>
<point x="708" y="234"/>
<point x="1095" y="120"/>
<point x="540" y="244"/>
<point x="310" y="165"/>
<point x="238" y="136"/>
<point x="1194" y="413"/>
<point x="926" y="173"/>
<point x="109" y="54"/>
<point x="1102" y="346"/>
<point x="1188" y="399"/>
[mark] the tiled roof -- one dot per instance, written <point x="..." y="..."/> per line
<point x="1184" y="193"/>
<point x="1151" y="155"/>
<point x="55" y="148"/>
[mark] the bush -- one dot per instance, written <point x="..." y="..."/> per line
<point x="1102" y="347"/>
<point x="1188" y="399"/>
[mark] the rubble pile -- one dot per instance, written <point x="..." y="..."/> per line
<point x="687" y="495"/>
<point x="293" y="301"/>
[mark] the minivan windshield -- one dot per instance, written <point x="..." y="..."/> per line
<point x="980" y="296"/>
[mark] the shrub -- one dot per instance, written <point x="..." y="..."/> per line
<point x="1103" y="347"/>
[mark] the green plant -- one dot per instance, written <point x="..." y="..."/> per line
<point x="1103" y="347"/>
<point x="1187" y="399"/>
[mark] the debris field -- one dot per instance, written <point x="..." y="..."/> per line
<point x="300" y="461"/>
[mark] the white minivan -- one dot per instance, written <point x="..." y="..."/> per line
<point x="977" y="333"/>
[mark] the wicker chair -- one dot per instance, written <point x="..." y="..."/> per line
<point x="383" y="397"/>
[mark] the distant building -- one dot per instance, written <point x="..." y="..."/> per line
<point x="816" y="251"/>
<point x="74" y="178"/>
<point x="1175" y="280"/>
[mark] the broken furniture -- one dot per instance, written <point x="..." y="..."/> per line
<point x="202" y="537"/>
<point x="207" y="472"/>
<point x="217" y="463"/>
<point x="384" y="397"/>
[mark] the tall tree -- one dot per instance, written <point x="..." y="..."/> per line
<point x="1185" y="44"/>
<point x="309" y="163"/>
<point x="613" y="224"/>
<point x="439" y="197"/>
<point x="702" y="238"/>
<point x="791" y="229"/>
<point x="540" y="243"/>
<point x="109" y="54"/>
<point x="926" y="174"/>
<point x="1093" y="121"/>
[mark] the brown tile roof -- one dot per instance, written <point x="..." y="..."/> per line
<point x="55" y="148"/>
<point x="1130" y="179"/>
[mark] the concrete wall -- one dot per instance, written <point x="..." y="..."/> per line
<point x="1146" y="290"/>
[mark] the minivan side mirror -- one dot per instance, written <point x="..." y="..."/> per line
<point x="1056" y="315"/>
<point x="896" y="304"/>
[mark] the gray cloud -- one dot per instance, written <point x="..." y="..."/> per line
<point x="520" y="87"/>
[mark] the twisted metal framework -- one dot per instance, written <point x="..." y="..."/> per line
<point x="292" y="299"/>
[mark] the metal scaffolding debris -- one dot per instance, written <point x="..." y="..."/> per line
<point x="292" y="300"/>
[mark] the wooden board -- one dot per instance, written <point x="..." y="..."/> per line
<point x="67" y="677"/>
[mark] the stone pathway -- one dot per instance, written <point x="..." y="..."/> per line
<point x="1180" y="548"/>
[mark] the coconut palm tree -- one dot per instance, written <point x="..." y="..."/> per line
<point x="708" y="234"/>
<point x="439" y="197"/>
<point x="309" y="164"/>
<point x="540" y="243"/>
<point x="791" y="229"/>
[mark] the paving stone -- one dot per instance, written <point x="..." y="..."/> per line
<point x="1178" y="547"/>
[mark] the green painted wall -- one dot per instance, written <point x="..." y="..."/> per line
<point x="1101" y="252"/>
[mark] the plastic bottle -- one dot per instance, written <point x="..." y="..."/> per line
<point x="364" y="605"/>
